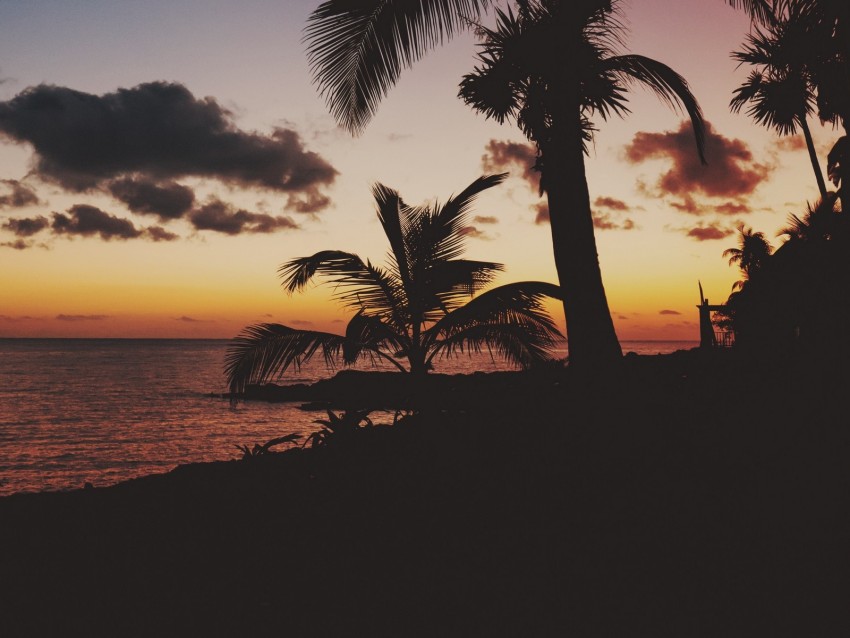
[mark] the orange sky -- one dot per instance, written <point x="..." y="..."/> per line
<point x="662" y="222"/>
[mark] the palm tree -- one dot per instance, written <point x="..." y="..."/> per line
<point x="551" y="67"/>
<point x="780" y="91"/>
<point x="412" y="311"/>
<point x="750" y="255"/>
<point x="818" y="222"/>
<point x="554" y="67"/>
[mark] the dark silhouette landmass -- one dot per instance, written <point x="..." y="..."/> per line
<point x="692" y="494"/>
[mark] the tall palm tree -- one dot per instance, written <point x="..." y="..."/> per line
<point x="357" y="50"/>
<point x="780" y="91"/>
<point x="551" y="67"/>
<point x="412" y="311"/>
<point x="750" y="255"/>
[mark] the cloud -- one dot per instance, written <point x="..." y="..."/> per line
<point x="611" y="204"/>
<point x="731" y="172"/>
<point x="158" y="233"/>
<point x="604" y="221"/>
<point x="27" y="226"/>
<point x="707" y="232"/>
<point x="19" y="195"/>
<point x="485" y="219"/>
<point x="187" y="319"/>
<point x="733" y="208"/>
<point x="19" y="318"/>
<point x="157" y="130"/>
<point x="669" y="312"/>
<point x="542" y="210"/>
<point x="472" y="231"/>
<point x="166" y="199"/>
<point x="301" y="322"/>
<point x="18" y="244"/>
<point x="310" y="202"/>
<point x="502" y="156"/>
<point x="84" y="221"/>
<point x="790" y="143"/>
<point x="87" y="221"/>
<point x="222" y="217"/>
<point x="82" y="317"/>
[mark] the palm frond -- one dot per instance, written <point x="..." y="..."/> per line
<point x="265" y="351"/>
<point x="670" y="87"/>
<point x="441" y="237"/>
<point x="510" y="318"/>
<point x="357" y="49"/>
<point x="759" y="10"/>
<point x="359" y="284"/>
<point x="837" y="162"/>
<point x="395" y="217"/>
<point x="367" y="335"/>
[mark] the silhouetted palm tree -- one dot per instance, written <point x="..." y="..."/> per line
<point x="415" y="309"/>
<point x="750" y="255"/>
<point x="552" y="67"/>
<point x="568" y="72"/>
<point x="780" y="91"/>
<point x="357" y="50"/>
<point x="818" y="222"/>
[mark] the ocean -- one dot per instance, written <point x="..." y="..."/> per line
<point x="101" y="411"/>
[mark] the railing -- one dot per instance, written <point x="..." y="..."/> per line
<point x="724" y="338"/>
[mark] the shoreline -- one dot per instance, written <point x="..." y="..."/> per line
<point x="662" y="500"/>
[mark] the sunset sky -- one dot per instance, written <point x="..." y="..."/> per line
<point x="159" y="160"/>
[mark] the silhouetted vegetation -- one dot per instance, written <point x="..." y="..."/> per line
<point x="793" y="301"/>
<point x="416" y="309"/>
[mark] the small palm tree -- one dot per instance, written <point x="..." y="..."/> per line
<point x="780" y="91"/>
<point x="750" y="255"/>
<point x="412" y="311"/>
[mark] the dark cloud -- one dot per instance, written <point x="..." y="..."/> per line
<point x="166" y="199"/>
<point x="87" y="221"/>
<point x="611" y="204"/>
<point x="731" y="170"/>
<point x="542" y="213"/>
<point x="158" y="233"/>
<point x="301" y="322"/>
<point x="27" y="226"/>
<point x="18" y="244"/>
<point x="485" y="219"/>
<point x="18" y="195"/>
<point x="623" y="318"/>
<point x="82" y="317"/>
<point x="158" y="130"/>
<point x="708" y="232"/>
<point x="19" y="318"/>
<point x="311" y="201"/>
<point x="733" y="208"/>
<point x="502" y="156"/>
<point x="221" y="217"/>
<point x="669" y="312"/>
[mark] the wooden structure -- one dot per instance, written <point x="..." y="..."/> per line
<point x="708" y="338"/>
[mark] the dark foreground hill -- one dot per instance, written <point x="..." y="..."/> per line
<point x="681" y="495"/>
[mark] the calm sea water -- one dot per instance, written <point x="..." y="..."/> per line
<point x="105" y="410"/>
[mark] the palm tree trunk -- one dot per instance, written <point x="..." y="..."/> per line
<point x="591" y="338"/>
<point x="813" y="156"/>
